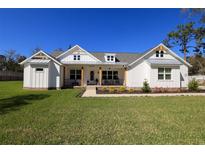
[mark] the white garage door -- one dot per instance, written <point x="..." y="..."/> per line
<point x="40" y="77"/>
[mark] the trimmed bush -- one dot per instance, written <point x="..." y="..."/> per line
<point x="193" y="85"/>
<point x="104" y="88"/>
<point x="111" y="89"/>
<point x="146" y="88"/>
<point x="131" y="90"/>
<point x="122" y="89"/>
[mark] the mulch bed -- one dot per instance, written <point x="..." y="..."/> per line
<point x="100" y="91"/>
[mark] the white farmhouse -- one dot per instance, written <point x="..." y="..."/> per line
<point x="160" y="66"/>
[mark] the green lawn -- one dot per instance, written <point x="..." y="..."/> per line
<point x="60" y="117"/>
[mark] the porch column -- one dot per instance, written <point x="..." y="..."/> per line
<point x="100" y="76"/>
<point x="82" y="76"/>
<point x="125" y="77"/>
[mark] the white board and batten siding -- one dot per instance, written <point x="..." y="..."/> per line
<point x="137" y="75"/>
<point x="39" y="79"/>
<point x="173" y="83"/>
<point x="54" y="75"/>
<point x="144" y="71"/>
<point x="49" y="77"/>
<point x="27" y="75"/>
<point x="83" y="57"/>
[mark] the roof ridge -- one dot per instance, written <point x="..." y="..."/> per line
<point x="115" y="52"/>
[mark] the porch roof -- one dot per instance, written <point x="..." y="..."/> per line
<point x="164" y="62"/>
<point x="94" y="63"/>
<point x="120" y="57"/>
<point x="39" y="61"/>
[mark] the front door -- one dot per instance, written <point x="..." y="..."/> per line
<point x="92" y="76"/>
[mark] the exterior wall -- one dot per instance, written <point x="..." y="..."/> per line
<point x="88" y="68"/>
<point x="184" y="75"/>
<point x="166" y="56"/>
<point x="83" y="57"/>
<point x="71" y="67"/>
<point x="54" y="75"/>
<point x="137" y="75"/>
<point x="27" y="76"/>
<point x="173" y="83"/>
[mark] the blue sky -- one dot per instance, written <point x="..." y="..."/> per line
<point x="121" y="30"/>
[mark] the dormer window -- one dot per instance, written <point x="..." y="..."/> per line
<point x="157" y="53"/>
<point x="110" y="58"/>
<point x="76" y="57"/>
<point x="161" y="53"/>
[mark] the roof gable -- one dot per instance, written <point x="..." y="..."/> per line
<point x="40" y="55"/>
<point x="76" y="50"/>
<point x="161" y="46"/>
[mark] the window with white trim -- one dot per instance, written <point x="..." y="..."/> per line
<point x="110" y="58"/>
<point x="164" y="73"/>
<point x="76" y="57"/>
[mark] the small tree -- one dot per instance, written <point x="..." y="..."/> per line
<point x="181" y="37"/>
<point x="146" y="88"/>
<point x="193" y="85"/>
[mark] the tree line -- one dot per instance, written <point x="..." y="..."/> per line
<point x="190" y="38"/>
<point x="9" y="61"/>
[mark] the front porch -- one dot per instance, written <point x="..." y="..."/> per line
<point x="83" y="75"/>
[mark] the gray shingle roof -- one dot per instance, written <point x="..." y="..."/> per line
<point x="120" y="57"/>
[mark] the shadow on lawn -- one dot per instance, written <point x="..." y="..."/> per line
<point x="14" y="103"/>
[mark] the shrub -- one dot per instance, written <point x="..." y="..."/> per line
<point x="146" y="88"/>
<point x="111" y="89"/>
<point x="104" y="88"/>
<point x="131" y="90"/>
<point x="122" y="89"/>
<point x="193" y="85"/>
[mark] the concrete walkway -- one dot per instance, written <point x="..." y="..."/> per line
<point x="91" y="92"/>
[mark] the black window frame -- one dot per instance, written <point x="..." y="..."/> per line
<point x="157" y="53"/>
<point x="39" y="69"/>
<point x="110" y="75"/>
<point x="75" y="74"/>
<point x="161" y="53"/>
<point x="76" y="57"/>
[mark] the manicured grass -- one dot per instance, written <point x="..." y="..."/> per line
<point x="59" y="117"/>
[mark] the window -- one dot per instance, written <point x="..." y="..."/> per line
<point x="75" y="74"/>
<point x="110" y="58"/>
<point x="76" y="57"/>
<point x="157" y="53"/>
<point x="109" y="75"/>
<point x="164" y="73"/>
<point x="104" y="75"/>
<point x="161" y="53"/>
<point x="115" y="75"/>
<point x="39" y="69"/>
